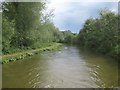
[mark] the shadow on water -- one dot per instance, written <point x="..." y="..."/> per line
<point x="103" y="68"/>
<point x="68" y="67"/>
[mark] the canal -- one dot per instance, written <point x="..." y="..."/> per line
<point x="67" y="67"/>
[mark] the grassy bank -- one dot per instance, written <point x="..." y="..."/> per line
<point x="26" y="53"/>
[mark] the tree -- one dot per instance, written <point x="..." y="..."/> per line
<point x="101" y="34"/>
<point x="26" y="17"/>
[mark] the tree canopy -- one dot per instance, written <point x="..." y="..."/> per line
<point x="25" y="25"/>
<point x="102" y="34"/>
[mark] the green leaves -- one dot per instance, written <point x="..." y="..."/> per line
<point x="26" y="26"/>
<point x="101" y="34"/>
<point x="7" y="34"/>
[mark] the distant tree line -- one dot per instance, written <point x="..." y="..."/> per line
<point x="69" y="37"/>
<point x="102" y="34"/>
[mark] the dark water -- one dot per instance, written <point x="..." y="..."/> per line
<point x="68" y="67"/>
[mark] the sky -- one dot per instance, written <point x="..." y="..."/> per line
<point x="71" y="14"/>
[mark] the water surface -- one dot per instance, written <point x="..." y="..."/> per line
<point x="68" y="67"/>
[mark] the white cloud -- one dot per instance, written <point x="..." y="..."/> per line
<point x="70" y="13"/>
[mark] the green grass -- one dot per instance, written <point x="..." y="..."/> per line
<point x="26" y="53"/>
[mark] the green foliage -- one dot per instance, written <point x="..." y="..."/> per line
<point x="69" y="37"/>
<point x="101" y="34"/>
<point x="23" y="54"/>
<point x="0" y="33"/>
<point x="26" y="26"/>
<point x="7" y="34"/>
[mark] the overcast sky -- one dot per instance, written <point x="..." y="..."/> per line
<point x="71" y="14"/>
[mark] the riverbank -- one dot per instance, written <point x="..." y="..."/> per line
<point x="21" y="55"/>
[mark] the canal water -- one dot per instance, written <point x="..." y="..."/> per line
<point x="67" y="67"/>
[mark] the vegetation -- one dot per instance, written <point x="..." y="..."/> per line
<point x="69" y="37"/>
<point x="102" y="34"/>
<point x="26" y="53"/>
<point x="25" y="26"/>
